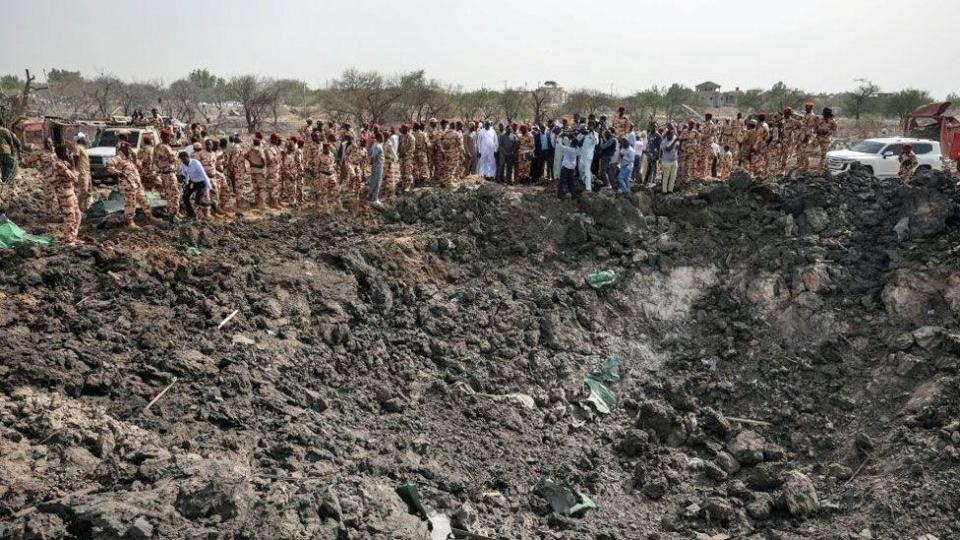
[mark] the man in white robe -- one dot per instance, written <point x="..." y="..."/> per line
<point x="486" y="150"/>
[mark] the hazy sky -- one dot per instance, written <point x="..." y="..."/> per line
<point x="817" y="45"/>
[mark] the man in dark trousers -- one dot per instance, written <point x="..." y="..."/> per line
<point x="508" y="155"/>
<point x="542" y="154"/>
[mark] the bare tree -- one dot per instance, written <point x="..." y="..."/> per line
<point x="862" y="99"/>
<point x="362" y="96"/>
<point x="17" y="103"/>
<point x="513" y="103"/>
<point x="103" y="90"/>
<point x="480" y="104"/>
<point x="539" y="100"/>
<point x="255" y="96"/>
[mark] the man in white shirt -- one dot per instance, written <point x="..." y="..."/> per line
<point x="198" y="184"/>
<point x="568" y="164"/>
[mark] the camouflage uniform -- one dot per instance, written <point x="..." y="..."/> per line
<point x="84" y="181"/>
<point x="406" y="150"/>
<point x="165" y="161"/>
<point x="148" y="169"/>
<point x="759" y="155"/>
<point x="436" y="152"/>
<point x="792" y="134"/>
<point x="807" y="140"/>
<point x="389" y="185"/>
<point x="826" y="129"/>
<point x="525" y="146"/>
<point x="421" y="155"/>
<point x="291" y="174"/>
<point x="352" y="177"/>
<point x="908" y="164"/>
<point x="704" y="161"/>
<point x="224" y="187"/>
<point x="689" y="152"/>
<point x="274" y="162"/>
<point x="257" y="158"/>
<point x="236" y="169"/>
<point x="128" y="181"/>
<point x="726" y="165"/>
<point x="325" y="190"/>
<point x="63" y="182"/>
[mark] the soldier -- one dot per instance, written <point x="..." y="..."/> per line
<point x="738" y="128"/>
<point x="470" y="150"/>
<point x="726" y="163"/>
<point x="792" y="135"/>
<point x="206" y="155"/>
<point x="352" y="175"/>
<point x="435" y="149"/>
<point x="688" y="149"/>
<point x="826" y="130"/>
<point x="311" y="148"/>
<point x="389" y="158"/>
<point x="747" y="146"/>
<point x="759" y="162"/>
<point x="155" y="119"/>
<point x="421" y="153"/>
<point x="525" y="147"/>
<point x="325" y="190"/>
<point x="406" y="151"/>
<point x="224" y="187"/>
<point x="621" y="124"/>
<point x="807" y="137"/>
<point x="165" y="162"/>
<point x="146" y="164"/>
<point x="708" y="134"/>
<point x="81" y="163"/>
<point x="63" y="182"/>
<point x="306" y="130"/>
<point x="128" y="180"/>
<point x="256" y="156"/>
<point x="299" y="168"/>
<point x="908" y="162"/>
<point x="274" y="162"/>
<point x="774" y="149"/>
<point x="236" y="169"/>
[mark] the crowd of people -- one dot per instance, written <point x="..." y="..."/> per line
<point x="333" y="167"/>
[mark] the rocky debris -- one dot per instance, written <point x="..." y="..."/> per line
<point x="791" y="368"/>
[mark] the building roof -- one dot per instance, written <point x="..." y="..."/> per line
<point x="709" y="85"/>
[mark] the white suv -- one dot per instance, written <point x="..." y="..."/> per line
<point x="879" y="156"/>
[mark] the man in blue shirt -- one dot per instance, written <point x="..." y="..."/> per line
<point x="652" y="152"/>
<point x="198" y="184"/>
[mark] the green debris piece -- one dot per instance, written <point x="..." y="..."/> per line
<point x="411" y="496"/>
<point x="113" y="204"/>
<point x="565" y="500"/>
<point x="598" y="379"/>
<point x="193" y="251"/>
<point x="601" y="280"/>
<point x="11" y="234"/>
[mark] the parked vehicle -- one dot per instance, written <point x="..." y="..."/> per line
<point x="104" y="147"/>
<point x="930" y="122"/>
<point x="879" y="156"/>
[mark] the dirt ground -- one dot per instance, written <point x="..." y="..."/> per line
<point x="789" y="352"/>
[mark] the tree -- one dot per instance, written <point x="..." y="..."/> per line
<point x="131" y="96"/>
<point x="423" y="98"/>
<point x="10" y="83"/>
<point x="480" y="104"/>
<point x="513" y="103"/>
<point x="255" y="96"/>
<point x="361" y="95"/>
<point x="586" y="102"/>
<point x="676" y="96"/>
<point x="15" y="104"/>
<point x="205" y="80"/>
<point x="539" y="99"/>
<point x="862" y="99"/>
<point x="62" y="76"/>
<point x="905" y="101"/>
<point x="103" y="90"/>
<point x="750" y="100"/>
<point x="645" y="104"/>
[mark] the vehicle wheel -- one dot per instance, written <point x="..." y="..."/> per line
<point x="923" y="168"/>
<point x="869" y="169"/>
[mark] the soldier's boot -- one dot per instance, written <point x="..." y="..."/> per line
<point x="131" y="224"/>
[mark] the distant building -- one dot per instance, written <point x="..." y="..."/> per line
<point x="710" y="96"/>
<point x="556" y="95"/>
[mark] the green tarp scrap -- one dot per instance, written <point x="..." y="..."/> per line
<point x="565" y="500"/>
<point x="113" y="204"/>
<point x="411" y="496"/>
<point x="598" y="379"/>
<point x="10" y="234"/>
<point x="193" y="251"/>
<point x="603" y="279"/>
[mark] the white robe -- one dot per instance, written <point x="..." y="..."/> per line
<point x="487" y="147"/>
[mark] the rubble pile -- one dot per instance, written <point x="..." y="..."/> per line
<point x="750" y="359"/>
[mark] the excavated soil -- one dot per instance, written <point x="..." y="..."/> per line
<point x="789" y="369"/>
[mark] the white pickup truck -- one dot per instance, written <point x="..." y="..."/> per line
<point x="104" y="146"/>
<point x="879" y="156"/>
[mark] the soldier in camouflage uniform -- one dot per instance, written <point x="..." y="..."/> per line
<point x="274" y="162"/>
<point x="807" y="137"/>
<point x="325" y="190"/>
<point x="792" y="134"/>
<point x="390" y="157"/>
<point x="81" y="163"/>
<point x="525" y="147"/>
<point x="63" y="182"/>
<point x="167" y="165"/>
<point x="421" y="154"/>
<point x="708" y="134"/>
<point x="826" y="130"/>
<point x="147" y="165"/>
<point x="406" y="151"/>
<point x="128" y="181"/>
<point x="434" y="134"/>
<point x="256" y="156"/>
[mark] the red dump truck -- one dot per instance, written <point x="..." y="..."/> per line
<point x="930" y="122"/>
